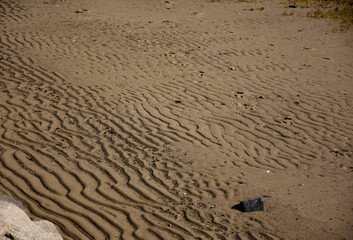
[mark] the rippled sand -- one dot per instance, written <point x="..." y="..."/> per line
<point x="151" y="119"/>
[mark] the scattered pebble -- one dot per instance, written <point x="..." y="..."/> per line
<point x="110" y="131"/>
<point x="81" y="11"/>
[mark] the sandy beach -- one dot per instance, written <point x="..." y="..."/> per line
<point x="151" y="119"/>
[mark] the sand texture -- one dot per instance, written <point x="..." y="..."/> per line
<point x="151" y="119"/>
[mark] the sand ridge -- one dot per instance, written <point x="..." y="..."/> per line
<point x="150" y="120"/>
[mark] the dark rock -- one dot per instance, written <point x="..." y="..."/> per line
<point x="251" y="205"/>
<point x="81" y="11"/>
<point x="110" y="131"/>
<point x="292" y="6"/>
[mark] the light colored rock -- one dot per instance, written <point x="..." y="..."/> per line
<point x="14" y="222"/>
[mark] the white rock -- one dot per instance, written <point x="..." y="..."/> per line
<point x="14" y="222"/>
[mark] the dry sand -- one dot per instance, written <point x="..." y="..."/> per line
<point x="150" y="119"/>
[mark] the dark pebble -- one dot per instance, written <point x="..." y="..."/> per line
<point x="110" y="131"/>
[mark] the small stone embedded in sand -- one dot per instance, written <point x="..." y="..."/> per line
<point x="110" y="131"/>
<point x="81" y="11"/>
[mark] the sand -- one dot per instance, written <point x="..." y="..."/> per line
<point x="151" y="119"/>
